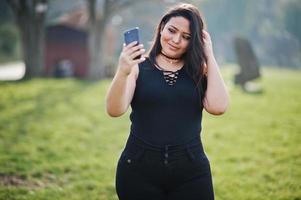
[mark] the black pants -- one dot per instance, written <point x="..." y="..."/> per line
<point x="148" y="172"/>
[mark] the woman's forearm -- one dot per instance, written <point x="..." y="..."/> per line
<point x="123" y="84"/>
<point x="216" y="97"/>
<point x="117" y="99"/>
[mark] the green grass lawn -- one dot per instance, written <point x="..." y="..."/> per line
<point x="57" y="142"/>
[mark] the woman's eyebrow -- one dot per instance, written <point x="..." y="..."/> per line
<point x="178" y="29"/>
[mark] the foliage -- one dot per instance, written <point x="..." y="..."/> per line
<point x="261" y="22"/>
<point x="58" y="143"/>
<point x="5" y="13"/>
<point x="292" y="19"/>
<point x="8" y="42"/>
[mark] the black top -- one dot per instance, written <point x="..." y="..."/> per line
<point x="164" y="113"/>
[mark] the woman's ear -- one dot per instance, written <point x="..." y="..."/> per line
<point x="205" y="70"/>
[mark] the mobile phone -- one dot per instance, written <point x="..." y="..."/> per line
<point x="132" y="35"/>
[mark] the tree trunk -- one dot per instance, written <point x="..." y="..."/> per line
<point x="32" y="36"/>
<point x="30" y="18"/>
<point x="97" y="65"/>
<point x="97" y="24"/>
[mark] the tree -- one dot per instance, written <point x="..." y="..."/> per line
<point x="30" y="20"/>
<point x="5" y="13"/>
<point x="97" y="21"/>
<point x="292" y="19"/>
<point x="8" y="34"/>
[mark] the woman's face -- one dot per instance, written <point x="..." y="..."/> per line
<point x="175" y="37"/>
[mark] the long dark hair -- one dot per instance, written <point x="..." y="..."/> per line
<point x="194" y="57"/>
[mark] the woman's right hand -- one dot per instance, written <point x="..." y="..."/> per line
<point x="126" y="59"/>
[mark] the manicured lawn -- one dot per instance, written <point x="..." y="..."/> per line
<point x="57" y="142"/>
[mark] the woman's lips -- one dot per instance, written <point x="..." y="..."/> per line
<point x="172" y="47"/>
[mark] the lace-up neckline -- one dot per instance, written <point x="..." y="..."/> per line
<point x="169" y="76"/>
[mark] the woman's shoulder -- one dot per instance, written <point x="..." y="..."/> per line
<point x="146" y="64"/>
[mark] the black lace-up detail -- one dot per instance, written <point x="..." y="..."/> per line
<point x="170" y="76"/>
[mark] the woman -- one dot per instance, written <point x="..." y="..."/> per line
<point x="167" y="90"/>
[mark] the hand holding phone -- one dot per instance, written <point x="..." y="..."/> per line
<point x="132" y="35"/>
<point x="132" y="52"/>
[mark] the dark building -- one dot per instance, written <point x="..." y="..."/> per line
<point x="66" y="51"/>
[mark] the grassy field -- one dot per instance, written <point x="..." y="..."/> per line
<point x="56" y="141"/>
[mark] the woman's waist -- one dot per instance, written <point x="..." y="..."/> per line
<point x="137" y="142"/>
<point x="166" y="135"/>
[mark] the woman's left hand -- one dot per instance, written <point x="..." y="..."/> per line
<point x="207" y="44"/>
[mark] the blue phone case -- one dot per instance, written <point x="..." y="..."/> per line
<point x="131" y="35"/>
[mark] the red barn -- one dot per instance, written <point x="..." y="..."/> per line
<point x="66" y="45"/>
<point x="66" y="51"/>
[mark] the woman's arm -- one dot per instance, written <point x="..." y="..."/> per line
<point x="216" y="97"/>
<point x="122" y="88"/>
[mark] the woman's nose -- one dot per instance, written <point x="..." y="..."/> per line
<point x="177" y="38"/>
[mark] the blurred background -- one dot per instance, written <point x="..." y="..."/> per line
<point x="86" y="37"/>
<point x="57" y="59"/>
